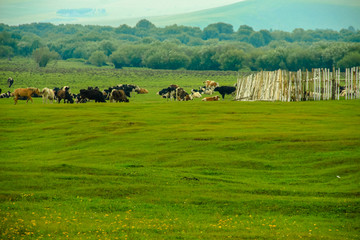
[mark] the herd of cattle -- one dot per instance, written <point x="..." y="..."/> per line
<point x="177" y="93"/>
<point x="119" y="93"/>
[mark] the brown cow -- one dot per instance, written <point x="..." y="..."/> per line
<point x="215" y="98"/>
<point x="25" y="92"/>
<point x="118" y="96"/>
<point x="210" y="84"/>
<point x="141" y="91"/>
<point x="64" y="94"/>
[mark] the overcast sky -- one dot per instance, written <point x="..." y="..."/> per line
<point x="14" y="12"/>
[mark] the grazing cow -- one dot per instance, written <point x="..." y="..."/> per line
<point x="48" y="94"/>
<point x="10" y="81"/>
<point x="225" y="90"/>
<point x="215" y="98"/>
<point x="118" y="96"/>
<point x="210" y="84"/>
<point x="25" y="92"/>
<point x="91" y="95"/>
<point x="127" y="88"/>
<point x="6" y="94"/>
<point x="62" y="94"/>
<point x="142" y="91"/>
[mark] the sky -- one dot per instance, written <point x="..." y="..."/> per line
<point x="15" y="12"/>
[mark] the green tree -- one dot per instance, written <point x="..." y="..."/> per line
<point x="216" y="30"/>
<point x="208" y="60"/>
<point x="124" y="29"/>
<point x="108" y="47"/>
<point x="352" y="59"/>
<point x="165" y="58"/>
<point x="43" y="56"/>
<point x="98" y="58"/>
<point x="232" y="60"/>
<point x="120" y="59"/>
<point x="145" y="24"/>
<point x="266" y="36"/>
<point x="257" y="39"/>
<point x="244" y="32"/>
<point x="6" y="52"/>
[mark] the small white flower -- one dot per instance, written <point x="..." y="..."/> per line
<point x="338" y="176"/>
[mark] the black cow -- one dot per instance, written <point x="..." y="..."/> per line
<point x="169" y="92"/>
<point x="127" y="88"/>
<point x="92" y="95"/>
<point x="225" y="90"/>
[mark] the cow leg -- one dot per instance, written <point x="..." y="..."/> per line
<point x="16" y="99"/>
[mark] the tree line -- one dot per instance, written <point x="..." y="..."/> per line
<point x="217" y="47"/>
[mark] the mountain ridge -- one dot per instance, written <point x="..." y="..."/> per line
<point x="262" y="14"/>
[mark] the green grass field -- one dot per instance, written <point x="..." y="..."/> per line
<point x="152" y="169"/>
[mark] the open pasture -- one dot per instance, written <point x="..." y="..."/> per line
<point x="152" y="169"/>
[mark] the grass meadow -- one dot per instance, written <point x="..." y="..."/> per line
<point x="157" y="169"/>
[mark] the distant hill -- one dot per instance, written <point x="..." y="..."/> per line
<point x="270" y="14"/>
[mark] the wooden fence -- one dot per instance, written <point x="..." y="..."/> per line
<point x="320" y="84"/>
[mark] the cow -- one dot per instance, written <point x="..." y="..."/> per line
<point x="181" y="95"/>
<point x="62" y="94"/>
<point x="169" y="92"/>
<point x="118" y="96"/>
<point x="128" y="88"/>
<point x="10" y="81"/>
<point x="141" y="91"/>
<point x="215" y="98"/>
<point x="225" y="90"/>
<point x="48" y="94"/>
<point x="208" y="91"/>
<point x="66" y="89"/>
<point x="91" y="95"/>
<point x="210" y="84"/>
<point x="6" y="94"/>
<point x="25" y="92"/>
<point x="201" y="90"/>
<point x="196" y="95"/>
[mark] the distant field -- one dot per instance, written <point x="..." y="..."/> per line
<point x="152" y="169"/>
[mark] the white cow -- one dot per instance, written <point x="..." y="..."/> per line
<point x="195" y="95"/>
<point x="48" y="94"/>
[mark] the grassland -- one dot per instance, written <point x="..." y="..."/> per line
<point x="152" y="169"/>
